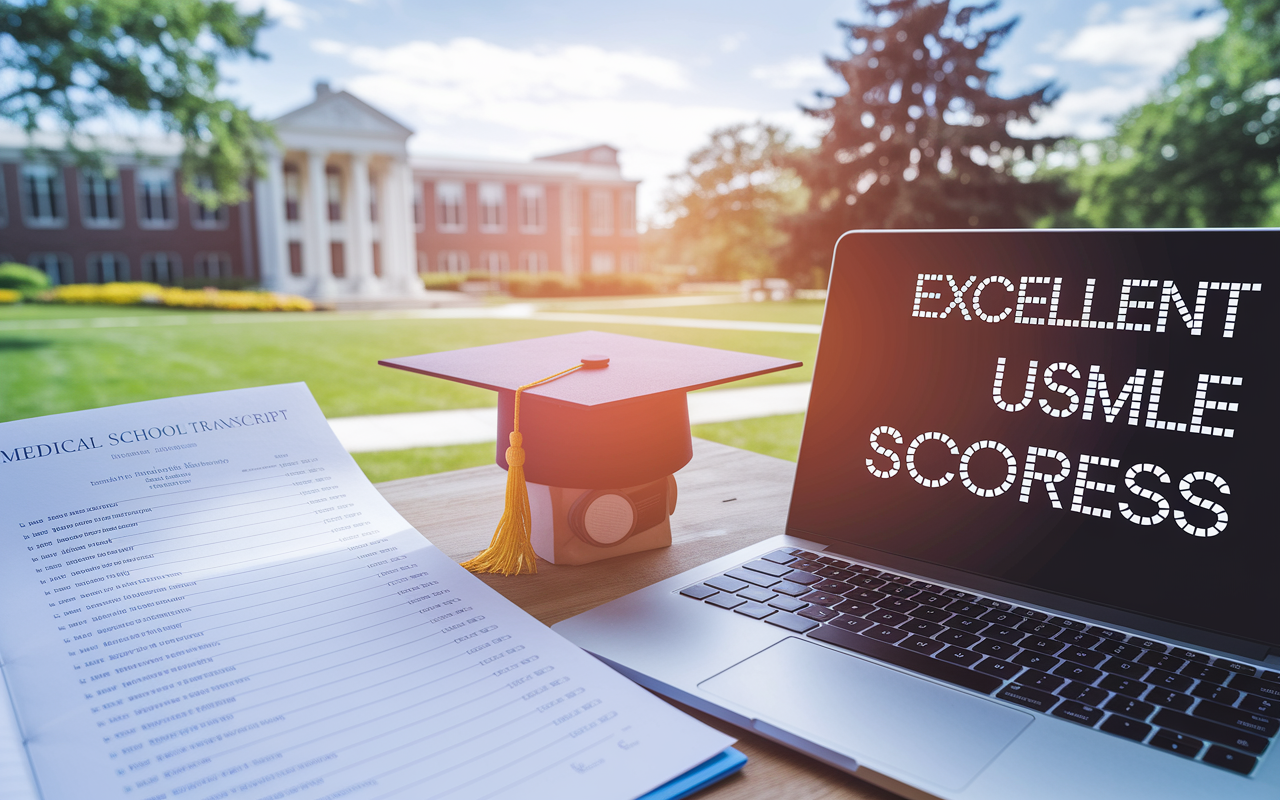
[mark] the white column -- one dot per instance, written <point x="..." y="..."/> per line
<point x="268" y="198"/>
<point x="316" y="223"/>
<point x="399" y="262"/>
<point x="360" y="231"/>
<point x="566" y="226"/>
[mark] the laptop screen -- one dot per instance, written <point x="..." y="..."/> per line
<point x="1087" y="413"/>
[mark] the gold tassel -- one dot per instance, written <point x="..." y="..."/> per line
<point x="510" y="552"/>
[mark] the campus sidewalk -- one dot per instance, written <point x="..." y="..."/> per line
<point x="477" y="425"/>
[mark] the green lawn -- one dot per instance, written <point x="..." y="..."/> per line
<point x="774" y="436"/>
<point x="131" y="354"/>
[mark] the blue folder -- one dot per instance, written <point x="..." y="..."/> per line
<point x="705" y="774"/>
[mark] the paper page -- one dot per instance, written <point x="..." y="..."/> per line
<point x="205" y="598"/>
<point x="16" y="781"/>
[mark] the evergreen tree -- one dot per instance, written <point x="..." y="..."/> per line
<point x="1204" y="150"/>
<point x="918" y="140"/>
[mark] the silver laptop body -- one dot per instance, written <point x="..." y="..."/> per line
<point x="1061" y="443"/>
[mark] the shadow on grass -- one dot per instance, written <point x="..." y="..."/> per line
<point x="8" y="343"/>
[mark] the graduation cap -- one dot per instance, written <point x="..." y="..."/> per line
<point x="600" y="416"/>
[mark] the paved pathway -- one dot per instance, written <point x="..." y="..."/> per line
<point x="476" y="425"/>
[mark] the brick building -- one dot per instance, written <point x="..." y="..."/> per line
<point x="343" y="211"/>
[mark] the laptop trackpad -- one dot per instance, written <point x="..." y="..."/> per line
<point x="876" y="714"/>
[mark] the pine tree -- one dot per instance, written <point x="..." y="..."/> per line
<point x="918" y="140"/>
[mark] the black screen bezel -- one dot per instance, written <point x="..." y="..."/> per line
<point x="1138" y="254"/>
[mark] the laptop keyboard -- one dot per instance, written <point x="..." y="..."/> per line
<point x="1213" y="710"/>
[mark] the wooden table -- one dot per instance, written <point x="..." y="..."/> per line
<point x="728" y="499"/>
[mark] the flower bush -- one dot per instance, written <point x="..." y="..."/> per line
<point x="9" y="296"/>
<point x="138" y="293"/>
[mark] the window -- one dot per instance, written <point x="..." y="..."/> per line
<point x="453" y="261"/>
<point x="601" y="213"/>
<point x="601" y="263"/>
<point x="493" y="212"/>
<point x="164" y="268"/>
<point x="100" y="200"/>
<point x="533" y="209"/>
<point x="533" y="263"/>
<point x="156" y="198"/>
<point x="295" y="258"/>
<point x="419" y="211"/>
<point x="373" y="199"/>
<point x="493" y="262"/>
<point x="213" y="265"/>
<point x="338" y="259"/>
<point x="630" y="262"/>
<point x="424" y="261"/>
<point x="43" y="201"/>
<point x="627" y="213"/>
<point x="451" y="214"/>
<point x="292" y="192"/>
<point x="108" y="267"/>
<point x="57" y="266"/>
<point x="203" y="217"/>
<point x="333" y="192"/>
<point x="377" y="259"/>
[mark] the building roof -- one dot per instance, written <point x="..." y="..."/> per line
<point x="596" y="154"/>
<point x="341" y="113"/>
<point x="532" y="169"/>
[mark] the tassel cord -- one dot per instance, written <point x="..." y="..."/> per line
<point x="510" y="552"/>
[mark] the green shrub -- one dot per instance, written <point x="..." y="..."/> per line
<point x="625" y="283"/>
<point x="547" y="284"/>
<point x="554" y="284"/>
<point x="442" y="281"/>
<point x="22" y="279"/>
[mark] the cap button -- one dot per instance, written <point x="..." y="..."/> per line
<point x="595" y="362"/>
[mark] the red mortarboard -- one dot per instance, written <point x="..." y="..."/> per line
<point x="620" y="419"/>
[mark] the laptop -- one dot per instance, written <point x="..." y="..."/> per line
<point x="1031" y="548"/>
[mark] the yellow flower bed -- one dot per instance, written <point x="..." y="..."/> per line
<point x="9" y="296"/>
<point x="130" y="294"/>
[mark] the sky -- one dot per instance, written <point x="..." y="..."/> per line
<point x="512" y="80"/>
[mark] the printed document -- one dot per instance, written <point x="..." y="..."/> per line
<point x="203" y="597"/>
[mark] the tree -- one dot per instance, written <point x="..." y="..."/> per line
<point x="918" y="140"/>
<point x="72" y="62"/>
<point x="1203" y="150"/>
<point x="729" y="200"/>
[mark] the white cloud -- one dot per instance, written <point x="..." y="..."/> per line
<point x="792" y="73"/>
<point x="474" y="98"/>
<point x="1086" y="113"/>
<point x="469" y="70"/>
<point x="286" y="12"/>
<point x="1043" y="71"/>
<point x="731" y="42"/>
<point x="1151" y="38"/>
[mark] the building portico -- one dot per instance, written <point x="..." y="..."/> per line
<point x="336" y="205"/>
